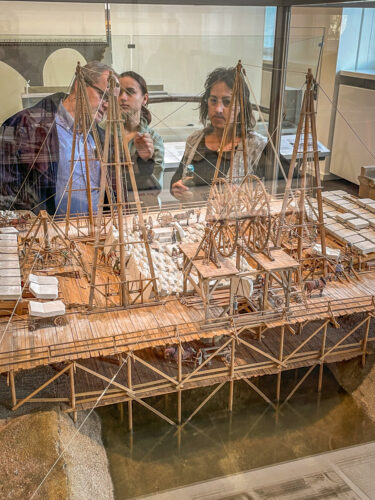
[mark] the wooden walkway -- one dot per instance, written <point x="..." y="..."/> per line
<point x="111" y="353"/>
<point x="104" y="333"/>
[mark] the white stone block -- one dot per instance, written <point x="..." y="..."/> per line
<point x="10" y="292"/>
<point x="9" y="250"/>
<point x="46" y="309"/>
<point x="347" y="205"/>
<point x="331" y="252"/>
<point x="354" y="238"/>
<point x="9" y="244"/>
<point x="9" y="264"/>
<point x="44" y="291"/>
<point x="43" y="280"/>
<point x="8" y="230"/>
<point x="9" y="237"/>
<point x="10" y="281"/>
<point x="363" y="201"/>
<point x="10" y="272"/>
<point x="8" y="257"/>
<point x="369" y="234"/>
<point x="344" y="233"/>
<point x="365" y="247"/>
<point x="343" y="217"/>
<point x="338" y="192"/>
<point x="335" y="227"/>
<point x="358" y="223"/>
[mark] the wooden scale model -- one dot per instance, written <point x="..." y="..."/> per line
<point x="238" y="271"/>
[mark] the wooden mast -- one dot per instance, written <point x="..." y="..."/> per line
<point x="118" y="157"/>
<point x="237" y="93"/>
<point x="83" y="125"/>
<point x="307" y="123"/>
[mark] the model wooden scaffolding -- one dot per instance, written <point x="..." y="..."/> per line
<point x="306" y="128"/>
<point x="84" y="126"/>
<point x="117" y="160"/>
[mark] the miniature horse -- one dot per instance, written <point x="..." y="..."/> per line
<point x="312" y="285"/>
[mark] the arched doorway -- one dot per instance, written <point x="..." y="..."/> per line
<point x="60" y="66"/>
<point x="12" y="86"/>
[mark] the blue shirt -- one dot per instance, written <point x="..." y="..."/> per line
<point x="79" y="203"/>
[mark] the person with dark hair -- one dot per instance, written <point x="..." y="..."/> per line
<point x="202" y="147"/>
<point x="146" y="147"/>
<point x="36" y="149"/>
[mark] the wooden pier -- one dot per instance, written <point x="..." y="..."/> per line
<point x="113" y="355"/>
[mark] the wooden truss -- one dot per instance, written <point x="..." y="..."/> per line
<point x="316" y="348"/>
<point x="306" y="129"/>
<point x="210" y="275"/>
<point x="47" y="243"/>
<point x="84" y="125"/>
<point x="117" y="160"/>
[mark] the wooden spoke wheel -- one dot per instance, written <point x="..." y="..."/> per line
<point x="254" y="212"/>
<point x="59" y="321"/>
<point x="164" y="218"/>
<point x="222" y="215"/>
<point x="221" y="205"/>
<point x="225" y="234"/>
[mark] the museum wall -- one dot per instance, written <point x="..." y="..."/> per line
<point x="178" y="46"/>
<point x="173" y="46"/>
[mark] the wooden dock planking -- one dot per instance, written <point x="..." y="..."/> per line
<point x="92" y="334"/>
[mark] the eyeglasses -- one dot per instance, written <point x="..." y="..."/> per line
<point x="212" y="101"/>
<point x="103" y="94"/>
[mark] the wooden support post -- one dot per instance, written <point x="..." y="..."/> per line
<point x="179" y="392"/>
<point x="281" y="353"/>
<point x="121" y="410"/>
<point x="231" y="382"/>
<point x="212" y="394"/>
<point x="72" y="392"/>
<point x="265" y="291"/>
<point x="130" y="402"/>
<point x="364" y="344"/>
<point x="13" y="388"/>
<point x="321" y="367"/>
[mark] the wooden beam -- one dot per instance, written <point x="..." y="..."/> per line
<point x="258" y="391"/>
<point x="321" y="367"/>
<point x="365" y="341"/>
<point x="106" y="379"/>
<point x="179" y="392"/>
<point x="344" y="338"/>
<point x="156" y="370"/>
<point x="129" y="392"/>
<point x="281" y="354"/>
<point x="306" y="341"/>
<point x="27" y="398"/>
<point x="266" y="355"/>
<point x="12" y="388"/>
<point x="203" y="403"/>
<point x="72" y="392"/>
<point x="130" y="402"/>
<point x="297" y="386"/>
<point x="203" y="364"/>
<point x="231" y="382"/>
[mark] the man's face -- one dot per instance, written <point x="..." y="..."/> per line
<point x="218" y="105"/>
<point x="98" y="97"/>
<point x="131" y="98"/>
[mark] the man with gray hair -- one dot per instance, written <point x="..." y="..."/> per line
<point x="36" y="149"/>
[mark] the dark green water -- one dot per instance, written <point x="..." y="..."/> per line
<point x="158" y="456"/>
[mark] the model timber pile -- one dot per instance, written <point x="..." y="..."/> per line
<point x="170" y="292"/>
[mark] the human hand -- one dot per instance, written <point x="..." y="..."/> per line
<point x="144" y="146"/>
<point x="181" y="192"/>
